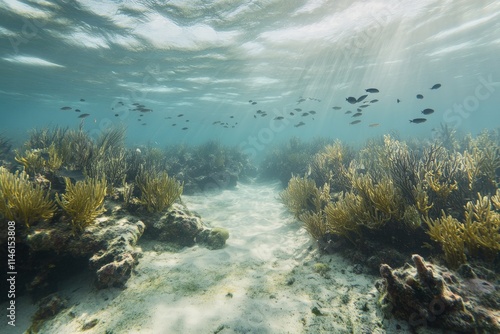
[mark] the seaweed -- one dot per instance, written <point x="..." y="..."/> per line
<point x="158" y="192"/>
<point x="22" y="201"/>
<point x="83" y="201"/>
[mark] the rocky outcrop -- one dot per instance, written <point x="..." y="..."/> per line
<point x="429" y="295"/>
<point x="109" y="244"/>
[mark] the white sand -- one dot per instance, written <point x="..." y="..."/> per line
<point x="241" y="288"/>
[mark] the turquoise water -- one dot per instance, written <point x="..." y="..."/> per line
<point x="208" y="59"/>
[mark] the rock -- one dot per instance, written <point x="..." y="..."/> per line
<point x="213" y="238"/>
<point x="429" y="295"/>
<point x="177" y="225"/>
<point x="49" y="307"/>
<point x="90" y="324"/>
<point x="109" y="244"/>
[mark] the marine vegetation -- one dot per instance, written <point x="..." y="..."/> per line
<point x="158" y="192"/>
<point x="21" y="200"/>
<point x="385" y="191"/>
<point x="5" y="146"/>
<point x="291" y="158"/>
<point x="83" y="201"/>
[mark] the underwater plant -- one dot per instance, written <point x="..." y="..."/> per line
<point x="32" y="161"/>
<point x="158" y="192"/>
<point x="83" y="201"/>
<point x="5" y="145"/>
<point x="302" y="196"/>
<point x="22" y="201"/>
<point x="331" y="164"/>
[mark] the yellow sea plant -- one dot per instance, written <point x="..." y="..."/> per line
<point x="450" y="234"/>
<point x="158" y="192"/>
<point x="302" y="196"/>
<point x="21" y="200"/>
<point x="83" y="201"/>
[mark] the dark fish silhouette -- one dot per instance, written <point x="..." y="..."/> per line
<point x="364" y="106"/>
<point x="185" y="128"/>
<point x="291" y="113"/>
<point x="372" y="90"/>
<point x="373" y="125"/>
<point x="66" y="108"/>
<point x="301" y="100"/>
<point x="145" y="110"/>
<point x="355" y="122"/>
<point x="278" y="118"/>
<point x="398" y="100"/>
<point x="297" y="109"/>
<point x="427" y="111"/>
<point x="336" y="108"/>
<point x="254" y="102"/>
<point x="174" y="124"/>
<point x="312" y="112"/>
<point x="436" y="86"/>
<point x="351" y="100"/>
<point x="348" y="112"/>
<point x="357" y="114"/>
<point x="305" y="114"/>
<point x="82" y="100"/>
<point x="144" y="124"/>
<point x="418" y="120"/>
<point x="420" y="96"/>
<point x="116" y="115"/>
<point x="84" y="115"/>
<point x="299" y="124"/>
<point x="180" y="115"/>
<point x="77" y="110"/>
<point x="361" y="98"/>
<point x="373" y="101"/>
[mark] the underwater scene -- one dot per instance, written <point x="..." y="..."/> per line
<point x="258" y="166"/>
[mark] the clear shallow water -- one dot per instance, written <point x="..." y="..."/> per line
<point x="207" y="59"/>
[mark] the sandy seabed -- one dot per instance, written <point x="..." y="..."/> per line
<point x="263" y="281"/>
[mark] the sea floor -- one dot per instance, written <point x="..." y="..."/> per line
<point x="263" y="281"/>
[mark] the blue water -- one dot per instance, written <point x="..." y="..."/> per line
<point x="207" y="59"/>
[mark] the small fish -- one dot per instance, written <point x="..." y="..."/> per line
<point x="254" y="102"/>
<point x="116" y="115"/>
<point x="297" y="109"/>
<point x="82" y="100"/>
<point x="84" y="115"/>
<point x="357" y="114"/>
<point x="372" y="90"/>
<point x="174" y="124"/>
<point x="263" y="115"/>
<point x="364" y="106"/>
<point x="168" y="117"/>
<point x="299" y="124"/>
<point x="226" y="126"/>
<point x="305" y="114"/>
<point x="145" y="110"/>
<point x="66" y="108"/>
<point x="278" y="118"/>
<point x="359" y="109"/>
<point x="336" y="108"/>
<point x="373" y="101"/>
<point x="185" y="128"/>
<point x="398" y="100"/>
<point x="351" y="100"/>
<point x="250" y="101"/>
<point x="301" y="100"/>
<point x="77" y="110"/>
<point x="373" y="125"/>
<point x="216" y="122"/>
<point x="427" y="111"/>
<point x="418" y="120"/>
<point x="355" y="122"/>
<point x="436" y="86"/>
<point x="420" y="96"/>
<point x="292" y="114"/>
<point x="180" y="115"/>
<point x="187" y="120"/>
<point x="136" y="104"/>
<point x="144" y="124"/>
<point x="254" y="116"/>
<point x="312" y="112"/>
<point x="231" y="116"/>
<point x="259" y="111"/>
<point x="361" y="98"/>
<point x="138" y="120"/>
<point x="348" y="112"/>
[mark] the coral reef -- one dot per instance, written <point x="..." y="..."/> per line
<point x="428" y="295"/>
<point x="22" y="201"/>
<point x="83" y="201"/>
<point x="158" y="192"/>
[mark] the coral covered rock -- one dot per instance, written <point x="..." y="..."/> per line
<point x="428" y="295"/>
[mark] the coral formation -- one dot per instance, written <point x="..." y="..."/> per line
<point x="158" y="192"/>
<point x="22" y="201"/>
<point x="427" y="295"/>
<point x="83" y="201"/>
